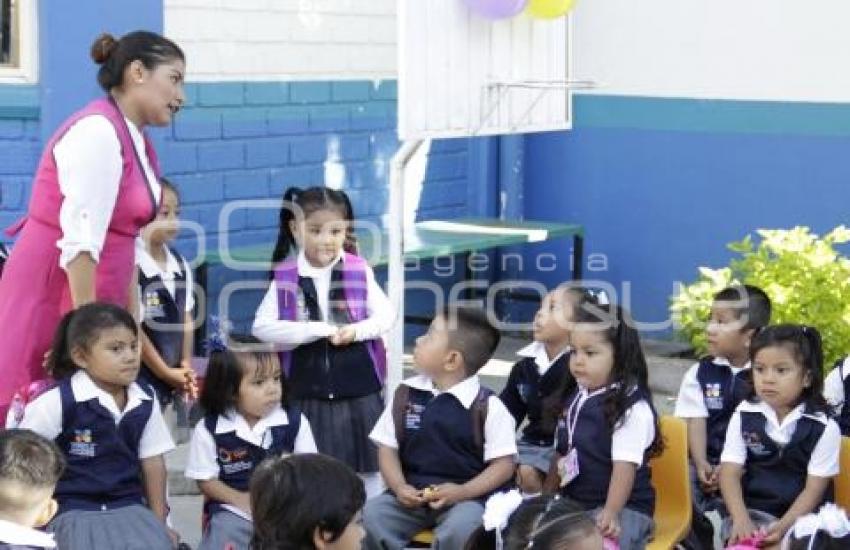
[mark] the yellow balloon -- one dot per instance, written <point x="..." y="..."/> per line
<point x="549" y="9"/>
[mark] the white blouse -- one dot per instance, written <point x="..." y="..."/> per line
<point x="288" y="335"/>
<point x="89" y="166"/>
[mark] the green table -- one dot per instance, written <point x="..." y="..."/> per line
<point x="426" y="240"/>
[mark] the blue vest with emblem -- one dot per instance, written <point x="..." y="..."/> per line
<point x="103" y="469"/>
<point x="526" y="392"/>
<point x="439" y="443"/>
<point x="722" y="392"/>
<point x="774" y="476"/>
<point x="238" y="458"/>
<point x="163" y="310"/>
<point x="593" y="442"/>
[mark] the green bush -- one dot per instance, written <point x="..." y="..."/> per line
<point x="806" y="278"/>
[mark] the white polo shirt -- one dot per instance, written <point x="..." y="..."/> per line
<point x="499" y="426"/>
<point x="833" y="386"/>
<point x="151" y="268"/>
<point x="824" y="459"/>
<point x="691" y="400"/>
<point x="537" y="350"/>
<point x="632" y="436"/>
<point x="43" y="415"/>
<point x="203" y="463"/>
<point x="12" y="533"/>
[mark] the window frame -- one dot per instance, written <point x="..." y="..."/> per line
<point x="26" y="70"/>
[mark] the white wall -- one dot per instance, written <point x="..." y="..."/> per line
<point x="731" y="49"/>
<point x="285" y="39"/>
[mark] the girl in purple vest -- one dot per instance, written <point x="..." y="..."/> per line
<point x="609" y="428"/>
<point x="112" y="493"/>
<point x="781" y="448"/>
<point x="327" y="313"/>
<point x="248" y="419"/>
<point x="166" y="302"/>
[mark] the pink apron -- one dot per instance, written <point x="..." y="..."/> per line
<point x="34" y="291"/>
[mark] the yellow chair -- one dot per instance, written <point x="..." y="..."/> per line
<point x="842" y="480"/>
<point x="672" y="485"/>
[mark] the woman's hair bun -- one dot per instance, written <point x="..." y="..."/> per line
<point x="102" y="48"/>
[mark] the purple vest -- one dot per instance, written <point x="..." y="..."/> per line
<point x="354" y="288"/>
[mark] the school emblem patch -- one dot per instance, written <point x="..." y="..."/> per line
<point x="754" y="443"/>
<point x="153" y="305"/>
<point x="713" y="396"/>
<point x="234" y="460"/>
<point x="413" y="416"/>
<point x="82" y="444"/>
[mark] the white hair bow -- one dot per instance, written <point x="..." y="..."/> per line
<point x="498" y="510"/>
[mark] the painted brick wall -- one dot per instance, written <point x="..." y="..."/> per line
<point x="252" y="140"/>
<point x="285" y="39"/>
<point x="19" y="152"/>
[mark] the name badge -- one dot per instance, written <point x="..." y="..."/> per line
<point x="568" y="467"/>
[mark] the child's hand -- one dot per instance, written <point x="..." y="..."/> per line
<point x="344" y="336"/>
<point x="773" y="535"/>
<point x="446" y="494"/>
<point x="741" y="530"/>
<point x="190" y="380"/>
<point x="176" y="377"/>
<point x="707" y="475"/>
<point x="409" y="496"/>
<point x="608" y="524"/>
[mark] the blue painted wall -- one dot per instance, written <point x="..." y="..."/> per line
<point x="662" y="185"/>
<point x="252" y="140"/>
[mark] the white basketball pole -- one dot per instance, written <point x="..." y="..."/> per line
<point x="396" y="261"/>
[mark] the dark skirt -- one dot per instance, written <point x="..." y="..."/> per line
<point x="341" y="428"/>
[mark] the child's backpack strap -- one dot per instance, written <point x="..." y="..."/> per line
<point x="400" y="400"/>
<point x="69" y="404"/>
<point x="479" y="415"/>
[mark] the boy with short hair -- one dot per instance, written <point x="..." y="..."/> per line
<point x="30" y="466"/>
<point x="444" y="442"/>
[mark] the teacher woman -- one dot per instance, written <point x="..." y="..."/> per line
<point x="95" y="187"/>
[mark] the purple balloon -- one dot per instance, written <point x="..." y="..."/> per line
<point x="495" y="9"/>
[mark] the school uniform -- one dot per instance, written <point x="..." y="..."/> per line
<point x="337" y="387"/>
<point x="778" y="456"/>
<point x="19" y="537"/>
<point x="165" y="301"/>
<point x="530" y="385"/>
<point x="711" y="389"/>
<point x="836" y="387"/>
<point x="439" y="445"/>
<point x="227" y="448"/>
<point x="100" y="494"/>
<point x="582" y="434"/>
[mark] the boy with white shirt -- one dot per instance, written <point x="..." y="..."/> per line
<point x="30" y="466"/>
<point x="445" y="442"/>
<point x="712" y="389"/>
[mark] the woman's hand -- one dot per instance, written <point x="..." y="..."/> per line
<point x="344" y="336"/>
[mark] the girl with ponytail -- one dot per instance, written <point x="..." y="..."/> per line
<point x="111" y="432"/>
<point x="326" y="314"/>
<point x="781" y="447"/>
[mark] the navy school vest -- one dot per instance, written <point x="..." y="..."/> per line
<point x="774" y="476"/>
<point x="238" y="458"/>
<point x="844" y="418"/>
<point x="103" y="469"/>
<point x="161" y="308"/>
<point x="319" y="370"/>
<point x="593" y="440"/>
<point x="527" y="393"/>
<point x="722" y="392"/>
<point x="439" y="439"/>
